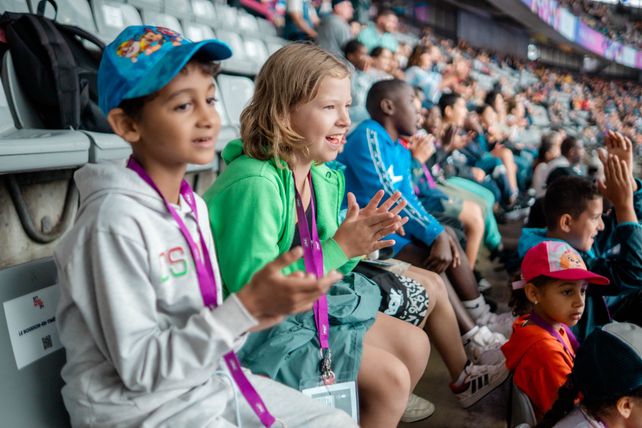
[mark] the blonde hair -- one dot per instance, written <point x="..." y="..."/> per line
<point x="290" y="77"/>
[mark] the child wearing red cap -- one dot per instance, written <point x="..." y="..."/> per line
<point x="549" y="299"/>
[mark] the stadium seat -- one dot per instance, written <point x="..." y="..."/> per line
<point x="239" y="63"/>
<point x="162" y="20"/>
<point x="256" y="49"/>
<point x="147" y="5"/>
<point x="112" y="17"/>
<point x="76" y="12"/>
<point x="521" y="409"/>
<point x="266" y="28"/>
<point x="247" y="24"/>
<point x="14" y="6"/>
<point x="30" y="394"/>
<point x="226" y="17"/>
<point x="236" y="93"/>
<point x="203" y="12"/>
<point x="23" y="150"/>
<point x="197" y="32"/>
<point x="178" y="8"/>
<point x="273" y="46"/>
<point x="228" y="130"/>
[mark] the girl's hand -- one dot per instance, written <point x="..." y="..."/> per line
<point x="359" y="235"/>
<point x="270" y="295"/>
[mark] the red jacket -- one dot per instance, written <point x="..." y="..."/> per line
<point x="540" y="364"/>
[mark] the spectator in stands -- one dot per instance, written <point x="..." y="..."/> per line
<point x="355" y="52"/>
<point x="548" y="300"/>
<point x="296" y="121"/>
<point x="610" y="245"/>
<point x="375" y="159"/>
<point x="383" y="65"/>
<point x="572" y="151"/>
<point x="549" y="149"/>
<point x="608" y="375"/>
<point x="334" y="30"/>
<point x="381" y="32"/>
<point x="140" y="314"/>
<point x="301" y="20"/>
<point x="420" y="74"/>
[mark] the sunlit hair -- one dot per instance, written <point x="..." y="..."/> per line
<point x="290" y="77"/>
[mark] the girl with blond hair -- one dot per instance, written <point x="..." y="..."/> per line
<point x="274" y="186"/>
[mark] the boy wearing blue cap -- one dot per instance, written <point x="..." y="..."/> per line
<point x="149" y="340"/>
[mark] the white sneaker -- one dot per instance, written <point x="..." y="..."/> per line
<point x="483" y="347"/>
<point x="498" y="323"/>
<point x="417" y="409"/>
<point x="479" y="382"/>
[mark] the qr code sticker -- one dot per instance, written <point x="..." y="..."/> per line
<point x="46" y="342"/>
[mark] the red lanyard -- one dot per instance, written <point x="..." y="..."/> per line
<point x="207" y="285"/>
<point x="313" y="259"/>
<point x="539" y="321"/>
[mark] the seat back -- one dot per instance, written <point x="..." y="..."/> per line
<point x="31" y="355"/>
<point x="247" y="24"/>
<point x="203" y="12"/>
<point x="76" y="12"/>
<point x="197" y="32"/>
<point x="226" y="16"/>
<point x="112" y="17"/>
<point x="521" y="409"/>
<point x="178" y="8"/>
<point x="23" y="115"/>
<point x="236" y="93"/>
<point x="255" y="49"/>
<point x="147" y="5"/>
<point x="14" y="6"/>
<point x="162" y="20"/>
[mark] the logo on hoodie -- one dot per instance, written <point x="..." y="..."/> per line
<point x="173" y="263"/>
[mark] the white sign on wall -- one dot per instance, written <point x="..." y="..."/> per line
<point x="31" y="320"/>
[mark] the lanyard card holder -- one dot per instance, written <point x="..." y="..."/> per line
<point x="341" y="395"/>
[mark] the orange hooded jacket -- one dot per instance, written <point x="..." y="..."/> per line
<point x="539" y="363"/>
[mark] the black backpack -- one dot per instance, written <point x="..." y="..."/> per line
<point x="56" y="72"/>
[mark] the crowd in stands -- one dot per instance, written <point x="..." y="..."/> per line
<point x="599" y="16"/>
<point x="340" y="243"/>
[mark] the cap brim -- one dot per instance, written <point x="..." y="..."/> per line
<point x="173" y="62"/>
<point x="579" y="275"/>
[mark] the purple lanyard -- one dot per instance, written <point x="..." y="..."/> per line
<point x="537" y="320"/>
<point x="313" y="259"/>
<point x="431" y="181"/>
<point x="207" y="285"/>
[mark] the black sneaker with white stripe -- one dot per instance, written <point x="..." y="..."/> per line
<point x="479" y="382"/>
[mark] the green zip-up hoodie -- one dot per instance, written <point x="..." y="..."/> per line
<point x="253" y="217"/>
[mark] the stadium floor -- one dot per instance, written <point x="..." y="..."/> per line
<point x="492" y="411"/>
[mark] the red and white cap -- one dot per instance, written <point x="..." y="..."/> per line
<point x="556" y="259"/>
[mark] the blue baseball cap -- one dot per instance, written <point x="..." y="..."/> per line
<point x="145" y="58"/>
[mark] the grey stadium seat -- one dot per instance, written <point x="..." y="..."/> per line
<point x="72" y="12"/>
<point x="197" y="32"/>
<point x="521" y="409"/>
<point x="178" y="8"/>
<point x="255" y="49"/>
<point x="112" y="17"/>
<point x="236" y="93"/>
<point x="240" y="63"/>
<point x="147" y="5"/>
<point x="203" y="12"/>
<point x="30" y="394"/>
<point x="14" y="6"/>
<point x="226" y="17"/>
<point x="247" y="24"/>
<point x="162" y="20"/>
<point x="23" y="150"/>
<point x="229" y="131"/>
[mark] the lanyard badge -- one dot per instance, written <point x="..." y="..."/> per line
<point x="313" y="259"/>
<point x="207" y="285"/>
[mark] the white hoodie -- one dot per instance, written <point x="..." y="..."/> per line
<point x="141" y="346"/>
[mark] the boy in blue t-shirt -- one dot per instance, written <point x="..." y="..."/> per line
<point x="149" y="340"/>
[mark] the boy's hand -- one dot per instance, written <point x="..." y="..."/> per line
<point x="441" y="254"/>
<point x="359" y="235"/>
<point x="270" y="295"/>
<point x="621" y="147"/>
<point x="422" y="147"/>
<point x="617" y="187"/>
